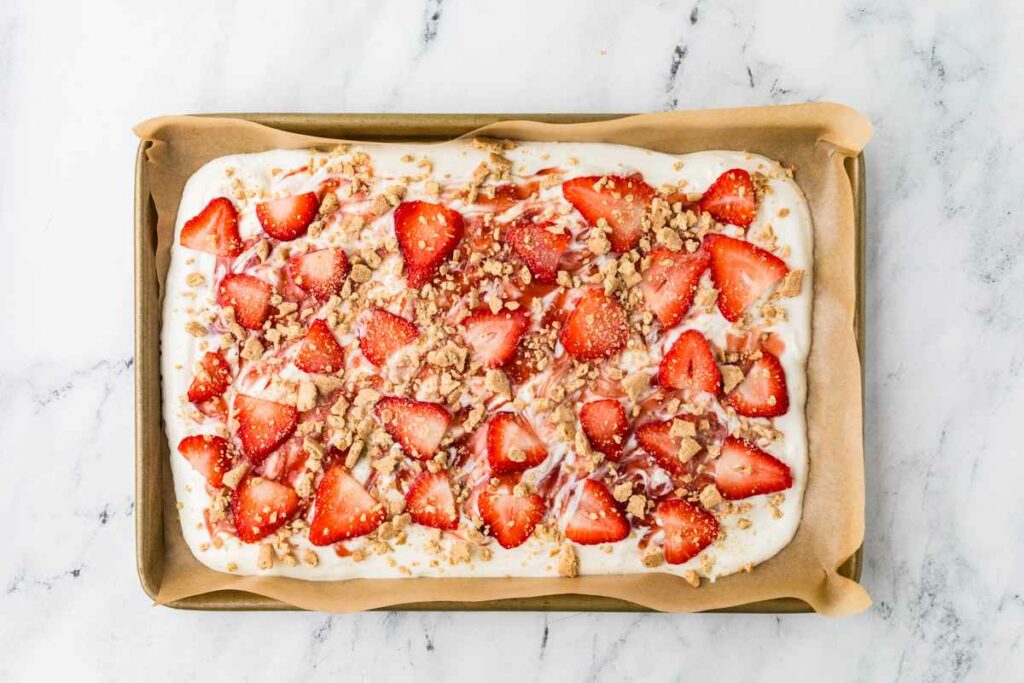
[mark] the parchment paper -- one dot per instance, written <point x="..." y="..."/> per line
<point x="815" y="138"/>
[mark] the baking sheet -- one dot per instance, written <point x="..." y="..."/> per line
<point x="822" y="139"/>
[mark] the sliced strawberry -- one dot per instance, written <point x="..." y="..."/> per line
<point x="495" y="336"/>
<point x="427" y="235"/>
<point x="320" y="352"/>
<point x="742" y="273"/>
<point x="540" y="248"/>
<point x="209" y="455"/>
<point x="763" y="392"/>
<point x="216" y="407"/>
<point x="249" y="296"/>
<point x="263" y="425"/>
<point x="385" y="333"/>
<point x="598" y="518"/>
<point x="211" y="379"/>
<point x="343" y="509"/>
<point x="670" y="283"/>
<point x="512" y="445"/>
<point x="690" y="365"/>
<point x="731" y="198"/>
<point x="744" y="470"/>
<point x="596" y="328"/>
<point x="620" y="200"/>
<point x="430" y="501"/>
<point x="287" y="218"/>
<point x="605" y="424"/>
<point x="688" y="529"/>
<point x="656" y="438"/>
<point x="261" y="507"/>
<point x="417" y="426"/>
<point x="321" y="273"/>
<point x="214" y="229"/>
<point x="510" y="518"/>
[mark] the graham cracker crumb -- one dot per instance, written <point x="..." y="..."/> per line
<point x="691" y="577"/>
<point x="266" y="556"/>
<point x="731" y="377"/>
<point x="710" y="497"/>
<point x="568" y="561"/>
<point x="653" y="556"/>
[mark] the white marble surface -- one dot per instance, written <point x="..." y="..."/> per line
<point x="945" y="387"/>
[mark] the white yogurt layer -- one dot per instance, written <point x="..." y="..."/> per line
<point x="783" y="210"/>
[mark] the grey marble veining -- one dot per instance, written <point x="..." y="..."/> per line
<point x="945" y="390"/>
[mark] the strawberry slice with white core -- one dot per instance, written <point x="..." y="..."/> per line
<point x="510" y="518"/>
<point x="539" y="245"/>
<point x="263" y="425"/>
<point x="605" y="424"/>
<point x="427" y="235"/>
<point x="249" y="296"/>
<point x="744" y="470"/>
<point x="512" y="445"/>
<point x="688" y="529"/>
<point x="741" y="272"/>
<point x="656" y="438"/>
<point x="320" y="273"/>
<point x="343" y="508"/>
<point x="209" y="455"/>
<point x="417" y="426"/>
<point x="763" y="392"/>
<point x="214" y="229"/>
<point x="670" y="283"/>
<point x="384" y="334"/>
<point x="431" y="502"/>
<point x="690" y="365"/>
<point x="731" y="198"/>
<point x="261" y="507"/>
<point x="211" y="379"/>
<point x="596" y="328"/>
<point x="493" y="337"/>
<point x="320" y="351"/>
<point x="598" y="518"/>
<point x="620" y="200"/>
<point x="287" y="218"/>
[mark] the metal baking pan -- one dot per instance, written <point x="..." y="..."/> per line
<point x="151" y="449"/>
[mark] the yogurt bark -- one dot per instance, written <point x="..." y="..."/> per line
<point x="485" y="358"/>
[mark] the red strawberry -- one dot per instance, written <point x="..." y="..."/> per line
<point x="688" y="529"/>
<point x="656" y="439"/>
<point x="417" y="426"/>
<point x="670" y="283"/>
<point x="605" y="424"/>
<point x="427" y="235"/>
<point x="249" y="296"/>
<point x="261" y="507"/>
<point x="320" y="352"/>
<point x="343" y="509"/>
<point x="494" y="336"/>
<point x="620" y="200"/>
<point x="597" y="518"/>
<point x="288" y="217"/>
<point x="512" y="445"/>
<point x="596" y="328"/>
<point x="263" y="425"/>
<point x="742" y="273"/>
<point x="689" y="365"/>
<point x="744" y="470"/>
<point x="385" y="333"/>
<point x="216" y="407"/>
<point x="209" y="455"/>
<point x="430" y="501"/>
<point x="211" y="379"/>
<point x="731" y="198"/>
<point x="540" y="248"/>
<point x="214" y="229"/>
<point x="510" y="518"/>
<point x="321" y="273"/>
<point x="763" y="392"/>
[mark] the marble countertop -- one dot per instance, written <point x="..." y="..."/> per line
<point x="945" y="370"/>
